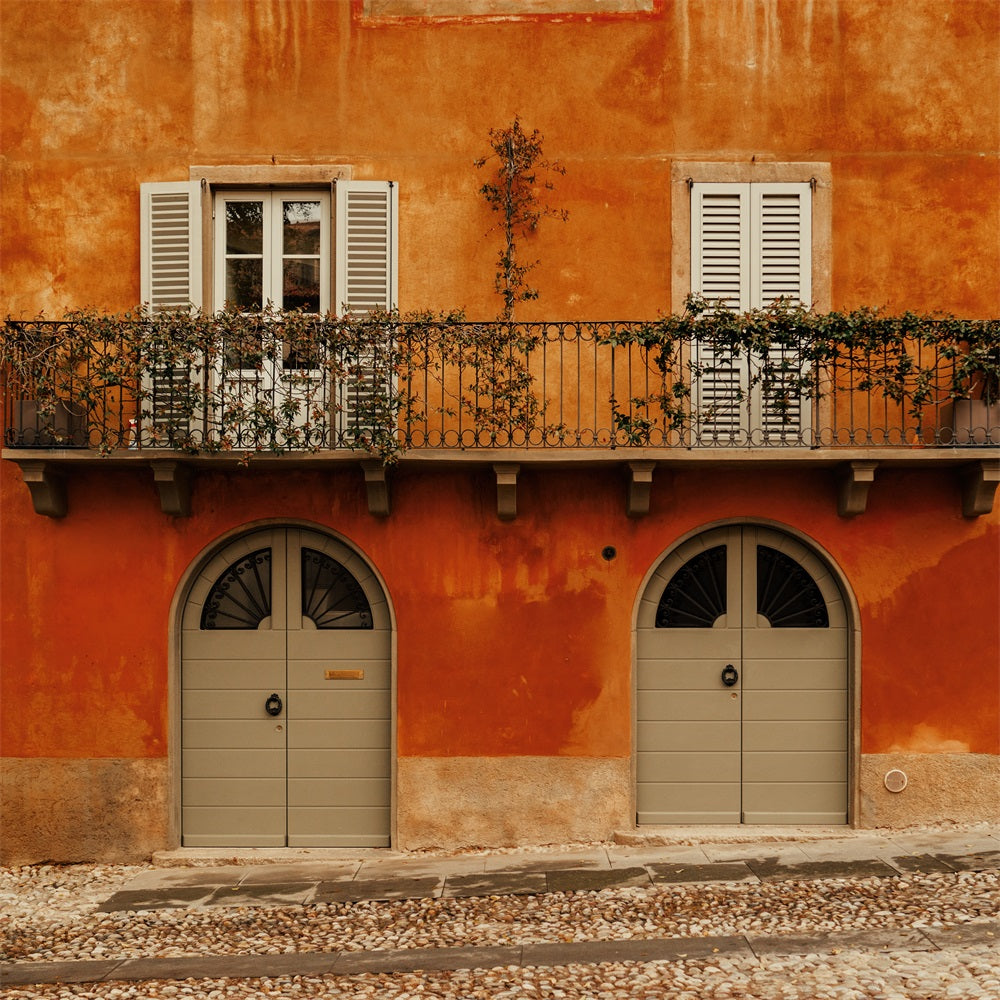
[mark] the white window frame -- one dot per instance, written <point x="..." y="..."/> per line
<point x="272" y="255"/>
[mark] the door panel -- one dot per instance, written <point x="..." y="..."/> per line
<point x="337" y="763"/>
<point x="790" y="706"/>
<point x="765" y="765"/>
<point x="318" y="773"/>
<point x="229" y="764"/>
<point x="773" y="743"/>
<point x="232" y="675"/>
<point x="235" y="791"/>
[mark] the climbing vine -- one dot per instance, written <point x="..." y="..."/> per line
<point x="514" y="192"/>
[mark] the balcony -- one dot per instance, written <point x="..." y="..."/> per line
<point x="852" y="392"/>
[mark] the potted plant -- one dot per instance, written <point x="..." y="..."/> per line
<point x="40" y="414"/>
<point x="975" y="407"/>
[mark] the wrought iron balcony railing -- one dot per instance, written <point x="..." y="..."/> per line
<point x="388" y="385"/>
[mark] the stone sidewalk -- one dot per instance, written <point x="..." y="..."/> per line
<point x="340" y="877"/>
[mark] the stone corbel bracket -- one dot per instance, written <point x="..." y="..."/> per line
<point x="640" y="485"/>
<point x="173" y="483"/>
<point x="506" y="474"/>
<point x="47" y="488"/>
<point x="854" y="480"/>
<point x="377" y="485"/>
<point x="979" y="486"/>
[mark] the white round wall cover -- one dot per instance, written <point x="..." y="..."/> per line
<point x="895" y="780"/>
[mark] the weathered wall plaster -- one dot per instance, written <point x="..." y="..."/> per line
<point x="941" y="787"/>
<point x="509" y="801"/>
<point x="85" y="809"/>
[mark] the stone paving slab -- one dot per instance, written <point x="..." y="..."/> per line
<point x="597" y="859"/>
<point x="409" y="878"/>
<point x="979" y="932"/>
<point x="978" y="861"/>
<point x="588" y="880"/>
<point x="778" y="870"/>
<point x="33" y="973"/>
<point x="169" y="878"/>
<point x="788" y="853"/>
<point x="380" y="889"/>
<point x="722" y="871"/>
<point x="867" y="940"/>
<point x="464" y="957"/>
<point x="627" y="857"/>
<point x="649" y="950"/>
<point x="421" y="866"/>
<point x="307" y="872"/>
<point x="496" y="884"/>
<point x="158" y="899"/>
<point x="428" y="959"/>
<point x="909" y="864"/>
<point x="268" y="894"/>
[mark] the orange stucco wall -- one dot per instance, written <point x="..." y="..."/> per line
<point x="100" y="96"/>
<point x="513" y="638"/>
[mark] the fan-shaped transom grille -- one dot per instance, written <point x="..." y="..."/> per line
<point x="331" y="596"/>
<point x="241" y="597"/>
<point x="787" y="596"/>
<point x="696" y="594"/>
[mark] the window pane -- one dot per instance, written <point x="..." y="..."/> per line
<point x="244" y="284"/>
<point x="300" y="287"/>
<point x="244" y="227"/>
<point x="300" y="227"/>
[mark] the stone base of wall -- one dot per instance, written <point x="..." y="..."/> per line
<point x="961" y="787"/>
<point x="445" y="802"/>
<point x="56" y="809"/>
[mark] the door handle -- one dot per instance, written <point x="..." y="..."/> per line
<point x="273" y="705"/>
<point x="729" y="675"/>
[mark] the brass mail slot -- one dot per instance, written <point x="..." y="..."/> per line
<point x="345" y="675"/>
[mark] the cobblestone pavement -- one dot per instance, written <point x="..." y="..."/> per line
<point x="861" y="916"/>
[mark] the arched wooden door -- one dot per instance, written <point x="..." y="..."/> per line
<point x="286" y="697"/>
<point x="742" y="694"/>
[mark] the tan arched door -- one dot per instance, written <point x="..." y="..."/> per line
<point x="286" y="697"/>
<point x="742" y="695"/>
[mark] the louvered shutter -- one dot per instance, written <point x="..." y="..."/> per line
<point x="170" y="278"/>
<point x="365" y="281"/>
<point x="170" y="232"/>
<point x="720" y="273"/>
<point x="781" y="255"/>
<point x="750" y="246"/>
<point x="366" y="246"/>
<point x="781" y="242"/>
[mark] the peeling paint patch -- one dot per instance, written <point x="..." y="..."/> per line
<point x="928" y="739"/>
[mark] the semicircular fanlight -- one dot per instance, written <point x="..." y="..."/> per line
<point x="331" y="596"/>
<point x="696" y="594"/>
<point x="787" y="596"/>
<point x="241" y="597"/>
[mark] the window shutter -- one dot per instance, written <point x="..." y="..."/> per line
<point x="720" y="273"/>
<point x="367" y="216"/>
<point x="781" y="250"/>
<point x="170" y="234"/>
<point x="170" y="272"/>
<point x="750" y="246"/>
<point x="781" y="243"/>
<point x="720" y="243"/>
<point x="365" y="273"/>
